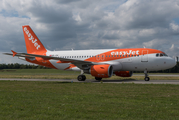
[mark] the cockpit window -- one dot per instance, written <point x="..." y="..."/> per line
<point x="165" y="54"/>
<point x="161" y="54"/>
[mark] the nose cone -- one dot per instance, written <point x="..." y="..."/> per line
<point x="172" y="62"/>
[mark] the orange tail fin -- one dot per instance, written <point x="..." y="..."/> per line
<point x="33" y="44"/>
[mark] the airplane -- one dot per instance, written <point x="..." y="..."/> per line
<point x="100" y="63"/>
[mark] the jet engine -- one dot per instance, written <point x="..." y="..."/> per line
<point x="124" y="73"/>
<point x="101" y="71"/>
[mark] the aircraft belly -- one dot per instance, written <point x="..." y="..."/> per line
<point x="60" y="66"/>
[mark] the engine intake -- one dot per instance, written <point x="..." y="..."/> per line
<point x="101" y="71"/>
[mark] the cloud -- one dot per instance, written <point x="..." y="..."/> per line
<point x="82" y="24"/>
<point x="174" y="27"/>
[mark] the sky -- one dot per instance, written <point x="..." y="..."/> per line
<point x="90" y="24"/>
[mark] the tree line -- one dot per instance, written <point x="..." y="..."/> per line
<point x="21" y="66"/>
<point x="30" y="66"/>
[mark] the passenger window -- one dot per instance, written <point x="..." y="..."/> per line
<point x="157" y="54"/>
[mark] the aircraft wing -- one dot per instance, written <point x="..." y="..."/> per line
<point x="73" y="61"/>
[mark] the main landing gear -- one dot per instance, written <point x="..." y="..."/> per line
<point x="81" y="78"/>
<point x="97" y="78"/>
<point x="146" y="76"/>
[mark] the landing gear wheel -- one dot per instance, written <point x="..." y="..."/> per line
<point x="84" y="77"/>
<point x="97" y="78"/>
<point x="81" y="78"/>
<point x="147" y="78"/>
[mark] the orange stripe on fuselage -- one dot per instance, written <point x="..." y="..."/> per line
<point x="70" y="66"/>
<point x="60" y="61"/>
<point x="121" y="54"/>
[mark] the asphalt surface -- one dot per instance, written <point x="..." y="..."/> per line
<point x="104" y="81"/>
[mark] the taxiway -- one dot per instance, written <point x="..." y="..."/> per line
<point x="103" y="81"/>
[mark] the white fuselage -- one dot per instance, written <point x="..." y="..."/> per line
<point x="149" y="62"/>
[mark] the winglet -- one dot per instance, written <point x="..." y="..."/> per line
<point x="14" y="53"/>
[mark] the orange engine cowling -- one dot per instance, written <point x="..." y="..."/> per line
<point x="101" y="71"/>
<point x="124" y="73"/>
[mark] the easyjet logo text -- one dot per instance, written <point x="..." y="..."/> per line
<point x="130" y="52"/>
<point x="31" y="38"/>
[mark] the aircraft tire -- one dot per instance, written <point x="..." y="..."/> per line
<point x="84" y="77"/>
<point x="81" y="78"/>
<point x="97" y="78"/>
<point x="147" y="78"/>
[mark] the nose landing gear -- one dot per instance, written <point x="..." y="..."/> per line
<point x="146" y="76"/>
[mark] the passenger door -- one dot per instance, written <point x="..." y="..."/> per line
<point x="144" y="57"/>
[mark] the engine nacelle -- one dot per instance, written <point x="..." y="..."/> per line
<point x="101" y="71"/>
<point x="124" y="73"/>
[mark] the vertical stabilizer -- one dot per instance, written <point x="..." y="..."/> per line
<point x="33" y="44"/>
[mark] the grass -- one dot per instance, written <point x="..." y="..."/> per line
<point x="60" y="74"/>
<point x="60" y="100"/>
<point x="64" y="100"/>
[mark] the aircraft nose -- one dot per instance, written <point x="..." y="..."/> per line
<point x="172" y="62"/>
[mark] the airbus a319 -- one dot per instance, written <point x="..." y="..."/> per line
<point x="101" y="63"/>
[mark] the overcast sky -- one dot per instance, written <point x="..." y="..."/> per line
<point x="90" y="24"/>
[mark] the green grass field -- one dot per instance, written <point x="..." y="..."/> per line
<point x="28" y="100"/>
<point x="59" y="100"/>
<point x="60" y="74"/>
